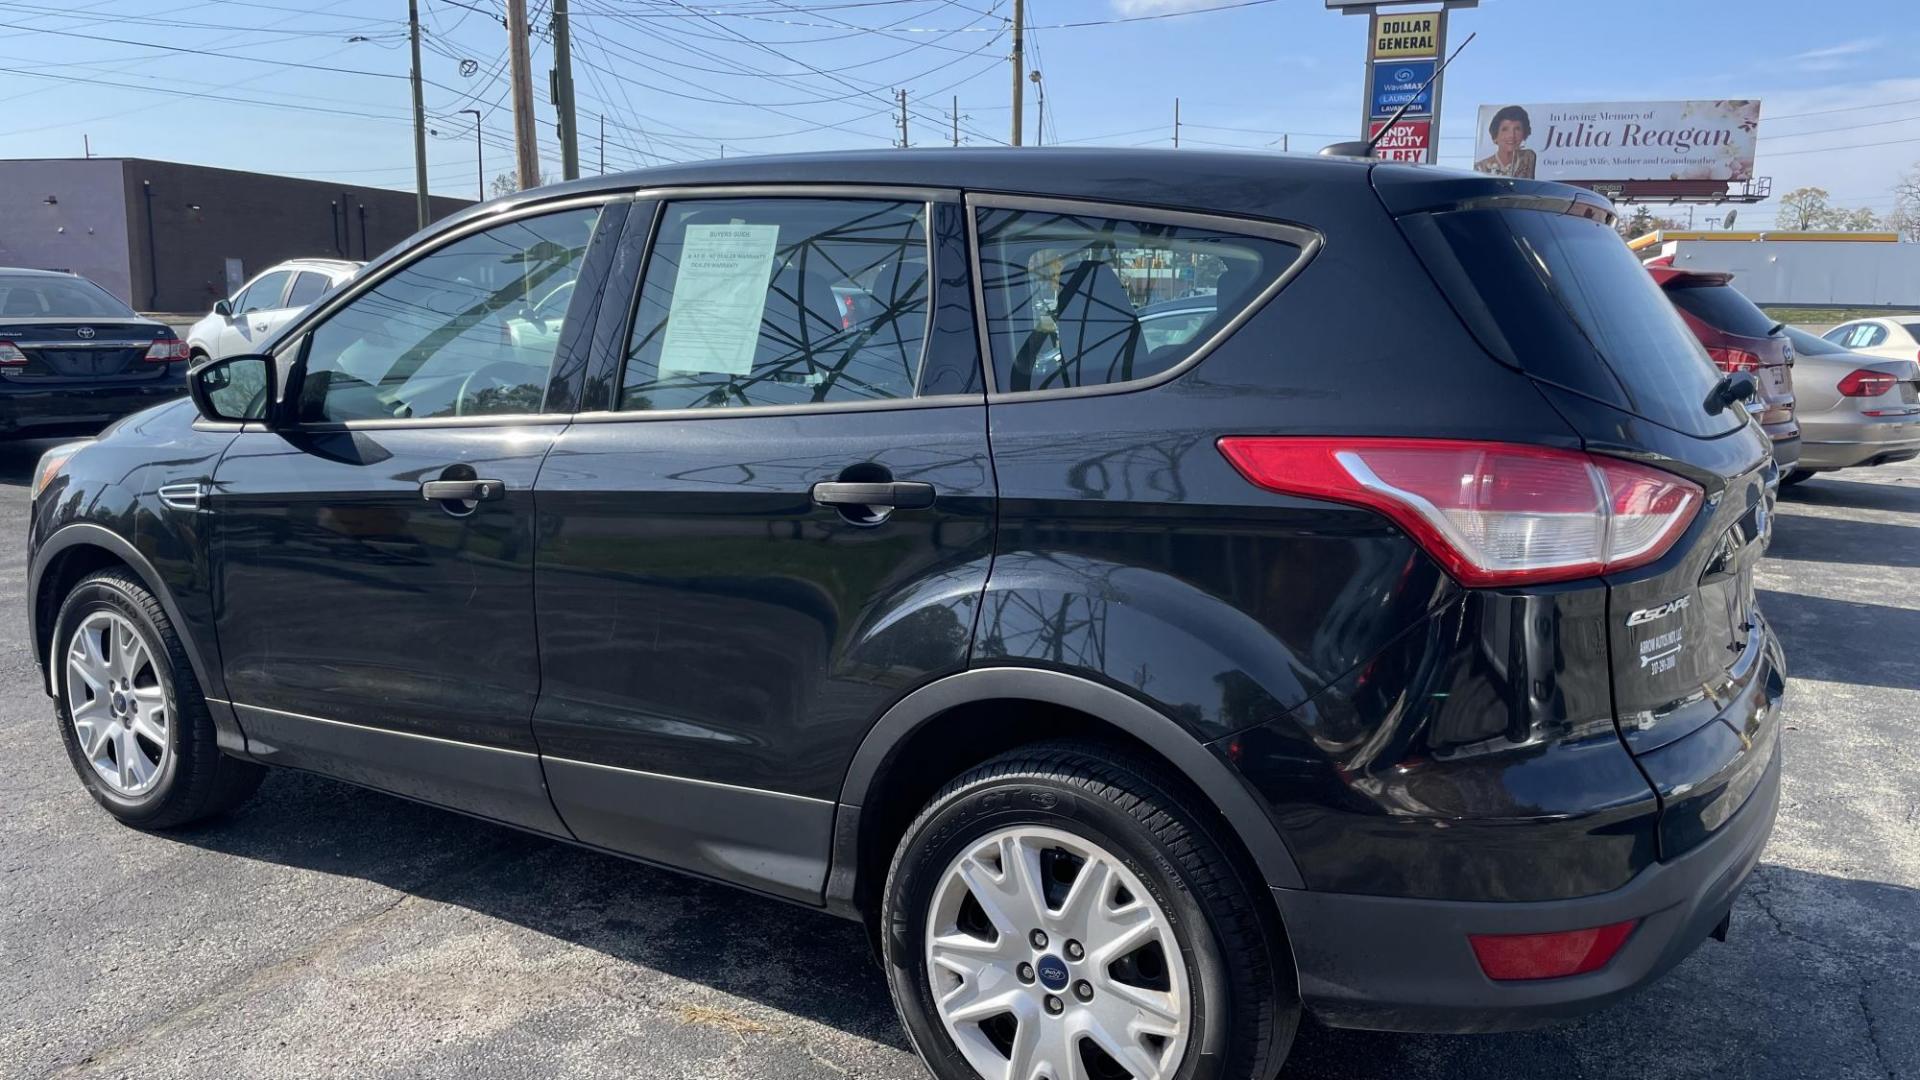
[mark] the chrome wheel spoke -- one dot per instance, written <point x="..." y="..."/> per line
<point x="1021" y="984"/>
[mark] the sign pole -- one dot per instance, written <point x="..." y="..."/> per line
<point x="1439" y="88"/>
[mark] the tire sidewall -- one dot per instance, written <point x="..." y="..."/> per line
<point x="991" y="805"/>
<point x="108" y="594"/>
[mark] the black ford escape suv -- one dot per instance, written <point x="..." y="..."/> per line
<point x="1385" y="647"/>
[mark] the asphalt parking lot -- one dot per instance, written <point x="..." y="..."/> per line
<point x="329" y="931"/>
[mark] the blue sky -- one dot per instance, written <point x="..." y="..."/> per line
<point x="680" y="80"/>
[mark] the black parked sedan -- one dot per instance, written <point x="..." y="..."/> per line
<point x="73" y="357"/>
<point x="1365" y="637"/>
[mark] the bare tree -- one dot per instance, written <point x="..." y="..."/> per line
<point x="1804" y="208"/>
<point x="1905" y="217"/>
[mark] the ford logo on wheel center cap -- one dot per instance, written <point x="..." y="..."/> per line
<point x="1053" y="972"/>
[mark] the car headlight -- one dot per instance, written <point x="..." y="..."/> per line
<point x="52" y="461"/>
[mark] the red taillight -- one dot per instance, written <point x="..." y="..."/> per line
<point x="165" y="351"/>
<point x="11" y="356"/>
<point x="1490" y="513"/>
<point x="1731" y="360"/>
<point x="1549" y="956"/>
<point x="1864" y="383"/>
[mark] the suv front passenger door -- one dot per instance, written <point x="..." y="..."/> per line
<point x="373" y="552"/>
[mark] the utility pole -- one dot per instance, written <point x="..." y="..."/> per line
<point x="902" y="95"/>
<point x="1019" y="64"/>
<point x="1176" y="123"/>
<point x="956" y="119"/>
<point x="479" y="153"/>
<point x="526" y="138"/>
<point x="563" y="92"/>
<point x="424" y="212"/>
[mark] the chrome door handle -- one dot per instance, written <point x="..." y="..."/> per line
<point x="462" y="490"/>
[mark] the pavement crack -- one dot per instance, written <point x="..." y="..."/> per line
<point x="1873" y="1031"/>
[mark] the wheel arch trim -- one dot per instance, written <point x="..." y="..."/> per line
<point x="88" y="534"/>
<point x="1227" y="792"/>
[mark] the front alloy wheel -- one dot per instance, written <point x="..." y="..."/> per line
<point x="117" y="700"/>
<point x="1047" y="954"/>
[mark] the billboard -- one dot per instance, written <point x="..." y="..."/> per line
<point x="1408" y="141"/>
<point x="1395" y="36"/>
<point x="1640" y="140"/>
<point x="1396" y="83"/>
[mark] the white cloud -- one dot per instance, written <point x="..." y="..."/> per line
<point x="1835" y="57"/>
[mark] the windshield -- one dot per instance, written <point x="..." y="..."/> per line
<point x="1723" y="308"/>
<point x="25" y="296"/>
<point x="1560" y="297"/>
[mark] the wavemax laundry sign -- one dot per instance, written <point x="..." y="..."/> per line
<point x="1645" y="140"/>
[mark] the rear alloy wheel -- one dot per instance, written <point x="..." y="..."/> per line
<point x="1060" y="914"/>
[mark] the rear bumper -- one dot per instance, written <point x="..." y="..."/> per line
<point x="1389" y="964"/>
<point x="35" y="411"/>
<point x="1786" y="451"/>
<point x="1859" y="440"/>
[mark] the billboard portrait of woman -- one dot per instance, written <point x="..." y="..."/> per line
<point x="1509" y="130"/>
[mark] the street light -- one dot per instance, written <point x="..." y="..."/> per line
<point x="479" y="161"/>
<point x="1040" y="127"/>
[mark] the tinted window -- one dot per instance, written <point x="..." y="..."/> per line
<point x="264" y="294"/>
<point x="453" y="333"/>
<point x="1559" y="296"/>
<point x="1912" y="329"/>
<point x="38" y="297"/>
<point x="780" y="302"/>
<point x="1064" y="293"/>
<point x="307" y="288"/>
<point x="1723" y="308"/>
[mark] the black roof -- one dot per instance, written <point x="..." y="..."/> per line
<point x="1282" y="187"/>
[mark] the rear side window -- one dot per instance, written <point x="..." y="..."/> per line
<point x="1723" y="308"/>
<point x="1066" y="293"/>
<point x="780" y="302"/>
<point x="1560" y="297"/>
<point x="306" y="289"/>
<point x="1913" y="330"/>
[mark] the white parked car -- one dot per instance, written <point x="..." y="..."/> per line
<point x="1896" y="337"/>
<point x="239" y="324"/>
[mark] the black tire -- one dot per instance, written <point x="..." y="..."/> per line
<point x="1796" y="476"/>
<point x="1245" y="1007"/>
<point x="197" y="781"/>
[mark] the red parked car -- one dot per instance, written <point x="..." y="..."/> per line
<point x="1741" y="337"/>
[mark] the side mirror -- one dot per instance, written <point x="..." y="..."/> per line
<point x="233" y="389"/>
<point x="223" y="307"/>
<point x="1731" y="390"/>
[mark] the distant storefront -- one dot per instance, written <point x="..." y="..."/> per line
<point x="170" y="237"/>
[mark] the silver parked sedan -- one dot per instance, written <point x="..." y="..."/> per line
<point x="1855" y="408"/>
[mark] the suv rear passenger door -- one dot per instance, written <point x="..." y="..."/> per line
<point x="773" y="520"/>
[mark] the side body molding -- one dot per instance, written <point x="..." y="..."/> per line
<point x="226" y="726"/>
<point x="1228" y="792"/>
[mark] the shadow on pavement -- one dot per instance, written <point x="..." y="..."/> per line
<point x="1844" y="640"/>
<point x="1854" y="494"/>
<point x="795" y="959"/>
<point x="817" y="967"/>
<point x="1854" y="543"/>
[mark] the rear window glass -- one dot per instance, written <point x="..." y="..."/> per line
<point x="1077" y="300"/>
<point x="38" y="297"/>
<point x="1560" y="297"/>
<point x="1723" y="308"/>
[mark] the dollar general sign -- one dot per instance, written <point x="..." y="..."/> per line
<point x="1406" y="35"/>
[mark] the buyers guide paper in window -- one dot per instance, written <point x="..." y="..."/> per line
<point x="719" y="295"/>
